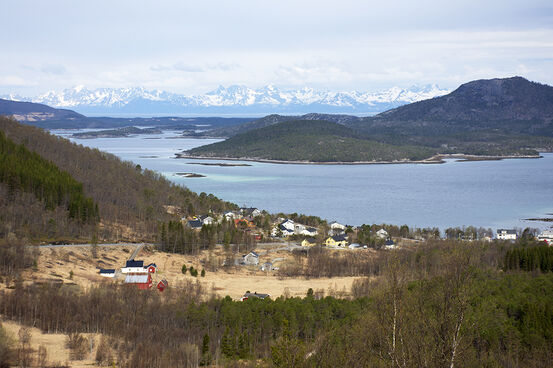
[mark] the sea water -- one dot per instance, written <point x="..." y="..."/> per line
<point x="492" y="194"/>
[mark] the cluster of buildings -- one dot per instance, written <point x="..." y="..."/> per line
<point x="287" y="227"/>
<point x="137" y="274"/>
<point x="511" y="234"/>
<point x="245" y="214"/>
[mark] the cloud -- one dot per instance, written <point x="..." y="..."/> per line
<point x="194" y="68"/>
<point x="54" y="69"/>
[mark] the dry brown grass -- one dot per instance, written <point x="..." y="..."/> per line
<point x="56" y="265"/>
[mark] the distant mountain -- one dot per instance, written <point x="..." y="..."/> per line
<point x="308" y="141"/>
<point x="34" y="112"/>
<point x="232" y="100"/>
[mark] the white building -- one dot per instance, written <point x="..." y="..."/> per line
<point x="546" y="236"/>
<point x="309" y="231"/>
<point x="506" y="234"/>
<point x="337" y="226"/>
<point x="382" y="234"/>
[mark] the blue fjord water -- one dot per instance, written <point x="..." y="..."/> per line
<point x="482" y="193"/>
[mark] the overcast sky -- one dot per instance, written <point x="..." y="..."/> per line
<point x="193" y="46"/>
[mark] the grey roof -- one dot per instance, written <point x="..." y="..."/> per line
<point x="338" y="237"/>
<point x="151" y="264"/>
<point x="311" y="240"/>
<point x="107" y="270"/>
<point x="256" y="295"/>
<point x="311" y="229"/>
<point x="253" y="253"/>
<point x="195" y="223"/>
<point x="133" y="263"/>
<point x="136" y="279"/>
<point x="506" y="231"/>
<point x="389" y="242"/>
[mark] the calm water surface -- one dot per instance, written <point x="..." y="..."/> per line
<point x="483" y="193"/>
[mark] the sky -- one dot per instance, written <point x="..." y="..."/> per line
<point x="191" y="47"/>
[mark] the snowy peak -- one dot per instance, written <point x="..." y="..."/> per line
<point x="234" y="98"/>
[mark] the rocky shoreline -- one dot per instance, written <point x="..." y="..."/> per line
<point x="436" y="159"/>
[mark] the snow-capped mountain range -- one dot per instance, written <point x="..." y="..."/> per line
<point x="230" y="100"/>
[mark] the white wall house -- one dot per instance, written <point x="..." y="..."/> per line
<point x="337" y="226"/>
<point x="546" y="236"/>
<point x="382" y="234"/>
<point x="506" y="234"/>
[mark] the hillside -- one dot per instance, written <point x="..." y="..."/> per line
<point x="131" y="202"/>
<point x="32" y="112"/>
<point x="308" y="140"/>
<point x="230" y="131"/>
<point x="496" y="116"/>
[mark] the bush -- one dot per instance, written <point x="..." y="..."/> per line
<point x="78" y="345"/>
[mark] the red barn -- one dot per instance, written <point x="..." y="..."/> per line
<point x="162" y="285"/>
<point x="142" y="281"/>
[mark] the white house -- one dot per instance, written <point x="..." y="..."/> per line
<point x="252" y="212"/>
<point x="382" y="234"/>
<point x="207" y="220"/>
<point x="251" y="259"/>
<point x="107" y="272"/>
<point x="309" y="231"/>
<point x="230" y="215"/>
<point x="390" y="244"/>
<point x="506" y="234"/>
<point x="546" y="236"/>
<point x="133" y="266"/>
<point x="289" y="225"/>
<point x="337" y="226"/>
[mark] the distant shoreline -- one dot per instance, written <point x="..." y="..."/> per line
<point x="436" y="159"/>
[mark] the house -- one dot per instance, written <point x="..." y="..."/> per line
<point x="288" y="225"/>
<point x="206" y="220"/>
<point x="267" y="266"/>
<point x="250" y="212"/>
<point x="151" y="268"/>
<point x="107" y="272"/>
<point x="230" y="215"/>
<point x="309" y="231"/>
<point x="255" y="295"/>
<point x="506" y="234"/>
<point x="143" y="281"/>
<point x="283" y="230"/>
<point x="194" y="224"/>
<point x="382" y="234"/>
<point x="251" y="259"/>
<point x="133" y="266"/>
<point x="162" y="285"/>
<point x="337" y="226"/>
<point x="389" y="244"/>
<point x="336" y="241"/>
<point x="308" y="242"/>
<point x="546" y="236"/>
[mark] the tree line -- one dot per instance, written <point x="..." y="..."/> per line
<point x="130" y="201"/>
<point x="23" y="170"/>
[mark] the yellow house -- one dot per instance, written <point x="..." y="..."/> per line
<point x="336" y="241"/>
<point x="308" y="242"/>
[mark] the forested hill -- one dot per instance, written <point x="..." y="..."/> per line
<point x="230" y="131"/>
<point x="131" y="201"/>
<point x="308" y="140"/>
<point x="512" y="105"/>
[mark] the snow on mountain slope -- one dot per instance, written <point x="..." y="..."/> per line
<point x="268" y="99"/>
